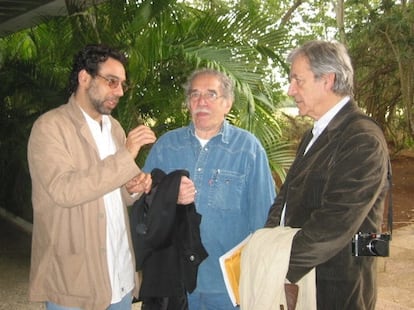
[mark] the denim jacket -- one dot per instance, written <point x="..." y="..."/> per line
<point x="235" y="188"/>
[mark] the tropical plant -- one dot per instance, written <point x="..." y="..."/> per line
<point x="383" y="50"/>
<point x="164" y="40"/>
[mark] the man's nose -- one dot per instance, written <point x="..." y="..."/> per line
<point x="119" y="91"/>
<point x="201" y="100"/>
<point x="291" y="89"/>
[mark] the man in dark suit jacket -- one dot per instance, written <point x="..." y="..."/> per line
<point x="338" y="182"/>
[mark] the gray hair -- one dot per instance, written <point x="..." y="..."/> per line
<point x="226" y="84"/>
<point x="328" y="57"/>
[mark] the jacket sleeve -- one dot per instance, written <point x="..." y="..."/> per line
<point x="66" y="164"/>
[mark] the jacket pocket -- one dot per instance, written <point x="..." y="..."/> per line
<point x="69" y="275"/>
<point x="225" y="189"/>
<point x="68" y="269"/>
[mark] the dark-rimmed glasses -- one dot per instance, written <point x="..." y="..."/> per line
<point x="114" y="83"/>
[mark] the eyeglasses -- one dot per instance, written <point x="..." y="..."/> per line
<point x="114" y="83"/>
<point x="209" y="96"/>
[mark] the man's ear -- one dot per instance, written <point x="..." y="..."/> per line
<point x="83" y="77"/>
<point x="329" y="80"/>
<point x="228" y="104"/>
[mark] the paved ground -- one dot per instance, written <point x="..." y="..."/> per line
<point x="14" y="267"/>
<point x="396" y="273"/>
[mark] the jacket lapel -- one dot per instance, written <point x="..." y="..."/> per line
<point x="302" y="162"/>
<point x="80" y="120"/>
<point x="334" y="127"/>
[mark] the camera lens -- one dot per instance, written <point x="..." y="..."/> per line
<point x="378" y="247"/>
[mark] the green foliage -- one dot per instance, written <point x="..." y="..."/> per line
<point x="165" y="41"/>
<point x="383" y="50"/>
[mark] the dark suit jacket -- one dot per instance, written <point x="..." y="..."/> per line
<point x="334" y="191"/>
<point x="166" y="238"/>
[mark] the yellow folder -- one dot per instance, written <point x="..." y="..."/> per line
<point x="230" y="267"/>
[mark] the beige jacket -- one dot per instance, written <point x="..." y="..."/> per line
<point x="69" y="262"/>
<point x="263" y="268"/>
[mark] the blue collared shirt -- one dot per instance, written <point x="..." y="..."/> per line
<point x="235" y="188"/>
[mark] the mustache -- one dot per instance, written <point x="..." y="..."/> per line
<point x="114" y="99"/>
<point x="201" y="110"/>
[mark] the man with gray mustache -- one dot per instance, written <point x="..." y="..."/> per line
<point x="231" y="174"/>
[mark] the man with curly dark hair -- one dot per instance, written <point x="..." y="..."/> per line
<point x="84" y="175"/>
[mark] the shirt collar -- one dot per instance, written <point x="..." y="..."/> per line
<point x="106" y="123"/>
<point x="224" y="131"/>
<point x="321" y="123"/>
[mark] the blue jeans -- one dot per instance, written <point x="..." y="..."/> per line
<point x="124" y="304"/>
<point x="200" y="301"/>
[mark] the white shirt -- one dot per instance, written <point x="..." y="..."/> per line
<point x="203" y="142"/>
<point x="120" y="267"/>
<point x="320" y="125"/>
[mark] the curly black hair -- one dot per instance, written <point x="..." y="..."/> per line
<point x="89" y="59"/>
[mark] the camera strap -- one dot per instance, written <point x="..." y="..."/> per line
<point x="390" y="207"/>
<point x="389" y="177"/>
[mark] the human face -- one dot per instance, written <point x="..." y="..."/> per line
<point x="103" y="92"/>
<point x="208" y="111"/>
<point x="308" y="92"/>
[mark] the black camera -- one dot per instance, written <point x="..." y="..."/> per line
<point x="371" y="244"/>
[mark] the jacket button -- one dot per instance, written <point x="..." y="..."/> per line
<point x="192" y="258"/>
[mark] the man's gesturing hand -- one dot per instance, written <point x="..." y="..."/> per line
<point x="138" y="137"/>
<point x="139" y="184"/>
